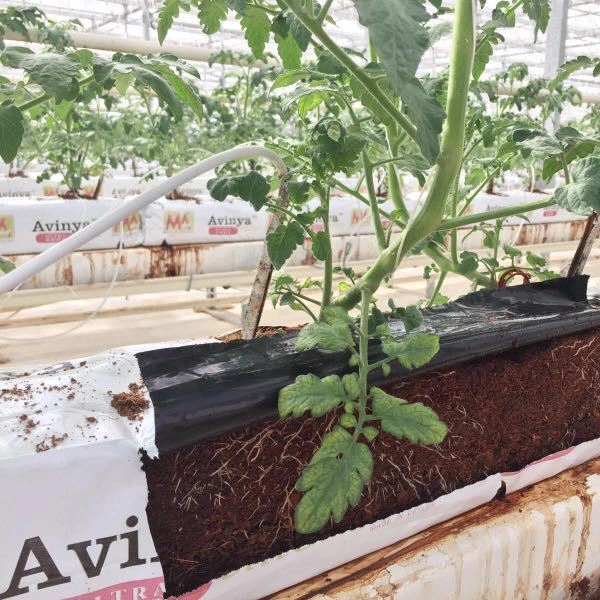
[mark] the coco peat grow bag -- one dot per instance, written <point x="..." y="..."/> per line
<point x="74" y="524"/>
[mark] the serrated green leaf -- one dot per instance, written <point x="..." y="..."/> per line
<point x="386" y="370"/>
<point x="11" y="131"/>
<point x="211" y="14"/>
<point x="370" y="433"/>
<point x="282" y="242"/>
<point x="257" y="27"/>
<point x="184" y="91"/>
<point x="325" y="337"/>
<point x="582" y="195"/>
<point x="288" y="51"/>
<point x="321" y="245"/>
<point x="288" y="78"/>
<point x="253" y="188"/>
<point x="400" y="56"/>
<point x="413" y="350"/>
<point x="539" y="12"/>
<point x="311" y="394"/>
<point x="351" y="385"/>
<point x="221" y="187"/>
<point x="298" y="30"/>
<point x="481" y="59"/>
<point x="167" y="13"/>
<point x="333" y="481"/>
<point x="298" y="191"/>
<point x="348" y="421"/>
<point x="54" y="72"/>
<point x="335" y="314"/>
<point x="415" y="422"/>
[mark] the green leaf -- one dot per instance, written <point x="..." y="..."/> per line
<point x="511" y="251"/>
<point x="400" y="55"/>
<point x="257" y="27"/>
<point x="167" y="13"/>
<point x="288" y="51"/>
<point x="282" y="242"/>
<point x="54" y="72"/>
<point x="102" y="68"/>
<point x="413" y="350"/>
<point x="300" y="33"/>
<point x="253" y="188"/>
<point x="335" y="314"/>
<point x="539" y="12"/>
<point x="6" y="266"/>
<point x="333" y="481"/>
<point x="481" y="59"/>
<point x="348" y="421"/>
<point x="582" y="195"/>
<point x="288" y="78"/>
<point x="468" y="263"/>
<point x="298" y="191"/>
<point x="351" y="385"/>
<point x="222" y="187"/>
<point x="325" y="337"/>
<point x="11" y="131"/>
<point x="370" y="433"/>
<point x="211" y="14"/>
<point x="184" y="91"/>
<point x="311" y="394"/>
<point x="415" y="422"/>
<point x="321" y="245"/>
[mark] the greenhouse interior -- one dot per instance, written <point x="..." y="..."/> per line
<point x="291" y="294"/>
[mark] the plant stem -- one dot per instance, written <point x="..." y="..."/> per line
<point x="430" y="216"/>
<point x="499" y="213"/>
<point x="363" y="364"/>
<point x="305" y="307"/>
<point x="324" y="10"/>
<point x="438" y="286"/>
<point x="375" y="215"/>
<point x="328" y="262"/>
<point x="565" y="168"/>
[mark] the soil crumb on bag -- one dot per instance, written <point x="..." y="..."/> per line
<point x="131" y="404"/>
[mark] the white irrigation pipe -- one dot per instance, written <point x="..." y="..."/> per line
<point x="113" y="218"/>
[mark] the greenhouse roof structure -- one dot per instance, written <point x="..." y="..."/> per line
<point x="130" y="25"/>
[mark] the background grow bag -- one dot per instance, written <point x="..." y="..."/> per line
<point x="199" y="391"/>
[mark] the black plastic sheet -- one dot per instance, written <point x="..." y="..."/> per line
<point x="200" y="391"/>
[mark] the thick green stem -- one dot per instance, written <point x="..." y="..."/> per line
<point x="499" y="213"/>
<point x="375" y="215"/>
<point x="328" y="263"/>
<point x="363" y="364"/>
<point x="430" y="216"/>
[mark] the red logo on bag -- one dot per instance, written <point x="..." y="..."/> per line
<point x="222" y="230"/>
<point x="181" y="222"/>
<point x="550" y="212"/>
<point x="131" y="224"/>
<point x="7" y="227"/>
<point x="52" y="238"/>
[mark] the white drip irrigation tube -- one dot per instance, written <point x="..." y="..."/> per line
<point x="73" y="242"/>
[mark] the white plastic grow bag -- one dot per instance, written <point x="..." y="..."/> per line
<point x="78" y="494"/>
<point x="34" y="224"/>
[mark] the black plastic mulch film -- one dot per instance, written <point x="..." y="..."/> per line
<point x="203" y="390"/>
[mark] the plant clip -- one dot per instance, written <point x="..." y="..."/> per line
<point x="513" y="272"/>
